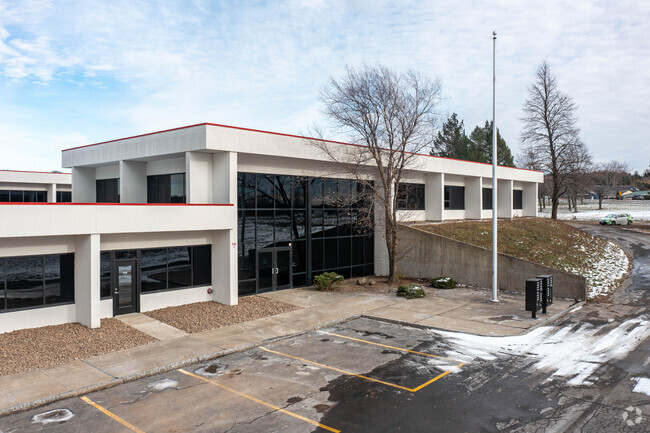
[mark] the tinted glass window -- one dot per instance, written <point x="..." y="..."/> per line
<point x="316" y="193"/>
<point x="317" y="254"/>
<point x="16" y="196"/>
<point x="330" y="222"/>
<point x="59" y="278"/>
<point x="153" y="269"/>
<point x="166" y="188"/>
<point x="247" y="287"/>
<point x="299" y="256"/>
<point x="126" y="254"/>
<point x="299" y="192"/>
<point x="487" y="198"/>
<point x="179" y="271"/>
<point x="317" y="223"/>
<point x="454" y="197"/>
<point x="2" y="285"/>
<point x="29" y="196"/>
<point x="24" y="281"/>
<point x="330" y="253"/>
<point x="283" y="192"/>
<point x="202" y="265"/>
<point x="265" y="223"/>
<point x="330" y="192"/>
<point x="517" y="199"/>
<point x="410" y="196"/>
<point x="282" y="226"/>
<point x="265" y="191"/>
<point x="298" y="225"/>
<point x="177" y="188"/>
<point x="63" y="196"/>
<point x="105" y="274"/>
<point x="4" y="196"/>
<point x="107" y="190"/>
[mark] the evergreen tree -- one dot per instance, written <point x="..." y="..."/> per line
<point x="481" y="145"/>
<point x="451" y="141"/>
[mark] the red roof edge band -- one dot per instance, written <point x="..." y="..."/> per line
<point x="280" y="134"/>
<point x="40" y="203"/>
<point x="32" y="171"/>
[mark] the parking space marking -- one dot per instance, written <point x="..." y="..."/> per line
<point x="392" y="347"/>
<point x="256" y="400"/>
<point x="112" y="415"/>
<point x="338" y="369"/>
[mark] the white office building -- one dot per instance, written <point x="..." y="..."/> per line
<point x="208" y="212"/>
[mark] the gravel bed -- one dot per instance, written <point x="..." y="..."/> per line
<point x="30" y="349"/>
<point x="202" y="316"/>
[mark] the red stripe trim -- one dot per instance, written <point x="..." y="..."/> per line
<point x="282" y="135"/>
<point x="112" y="204"/>
<point x="30" y="171"/>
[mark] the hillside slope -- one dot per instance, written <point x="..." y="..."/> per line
<point x="551" y="243"/>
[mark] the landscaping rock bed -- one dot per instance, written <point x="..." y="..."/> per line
<point x="202" y="316"/>
<point x="30" y="349"/>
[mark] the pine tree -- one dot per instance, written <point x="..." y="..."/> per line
<point x="451" y="141"/>
<point x="481" y="145"/>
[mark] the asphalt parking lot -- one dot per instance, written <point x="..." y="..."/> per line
<point x="288" y="385"/>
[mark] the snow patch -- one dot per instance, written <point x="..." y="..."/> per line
<point x="163" y="384"/>
<point x="642" y="385"/>
<point x="570" y="353"/>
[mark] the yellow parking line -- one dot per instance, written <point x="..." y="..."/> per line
<point x="392" y="347"/>
<point x="112" y="415"/>
<point x="256" y="400"/>
<point x="339" y="370"/>
<point x="443" y="374"/>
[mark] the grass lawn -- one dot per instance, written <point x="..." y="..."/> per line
<point x="548" y="242"/>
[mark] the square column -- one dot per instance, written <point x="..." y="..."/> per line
<point x="51" y="193"/>
<point x="473" y="197"/>
<point x="434" y="199"/>
<point x="83" y="185"/>
<point x="382" y="264"/>
<point x="86" y="280"/>
<point x="504" y="198"/>
<point x="224" y="267"/>
<point x="530" y="199"/>
<point x="224" y="177"/>
<point x="198" y="177"/>
<point x="133" y="182"/>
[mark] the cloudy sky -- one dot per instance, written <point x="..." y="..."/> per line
<point x="78" y="72"/>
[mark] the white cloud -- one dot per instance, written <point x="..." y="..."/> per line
<point x="263" y="65"/>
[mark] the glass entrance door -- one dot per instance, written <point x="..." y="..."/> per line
<point x="273" y="269"/>
<point x="125" y="291"/>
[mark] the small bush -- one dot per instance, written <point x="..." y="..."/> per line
<point x="443" y="283"/>
<point x="327" y="280"/>
<point x="411" y="291"/>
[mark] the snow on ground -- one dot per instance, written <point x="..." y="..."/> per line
<point x="642" y="385"/>
<point x="571" y="353"/>
<point x="604" y="271"/>
<point x="639" y="209"/>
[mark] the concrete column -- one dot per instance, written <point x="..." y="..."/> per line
<point x="224" y="266"/>
<point x="434" y="199"/>
<point x="224" y="177"/>
<point x="530" y="199"/>
<point x="381" y="251"/>
<point x="198" y="177"/>
<point x="51" y="193"/>
<point x="473" y="197"/>
<point x="133" y="182"/>
<point x="86" y="280"/>
<point x="504" y="198"/>
<point x="83" y="185"/>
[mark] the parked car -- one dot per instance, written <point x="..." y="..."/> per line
<point x="613" y="219"/>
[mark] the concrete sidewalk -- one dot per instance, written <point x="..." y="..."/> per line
<point x="464" y="310"/>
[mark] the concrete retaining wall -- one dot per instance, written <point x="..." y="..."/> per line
<point x="426" y="255"/>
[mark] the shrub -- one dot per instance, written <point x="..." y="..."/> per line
<point x="411" y="291"/>
<point x="326" y="280"/>
<point x="443" y="283"/>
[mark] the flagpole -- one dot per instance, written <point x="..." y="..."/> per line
<point x="494" y="171"/>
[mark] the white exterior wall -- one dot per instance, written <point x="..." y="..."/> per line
<point x="504" y="199"/>
<point x="133" y="182"/>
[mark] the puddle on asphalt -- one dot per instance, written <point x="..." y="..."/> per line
<point x="211" y="370"/>
<point x="53" y="416"/>
<point x="294" y="400"/>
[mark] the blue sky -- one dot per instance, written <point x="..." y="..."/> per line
<point x="78" y="72"/>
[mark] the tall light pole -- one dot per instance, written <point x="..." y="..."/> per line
<point x="494" y="169"/>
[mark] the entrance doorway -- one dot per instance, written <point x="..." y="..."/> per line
<point x="274" y="269"/>
<point x="125" y="293"/>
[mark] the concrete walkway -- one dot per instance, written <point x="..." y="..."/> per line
<point x="466" y="310"/>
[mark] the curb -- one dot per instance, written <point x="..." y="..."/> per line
<point x="163" y="369"/>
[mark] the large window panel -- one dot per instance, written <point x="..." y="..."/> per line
<point x="4" y="196"/>
<point x="344" y="252"/>
<point x="454" y="197"/>
<point x="330" y="253"/>
<point x="487" y="199"/>
<point x="368" y="249"/>
<point x="247" y="287"/>
<point x="299" y="224"/>
<point x="24" y="281"/>
<point x="166" y="188"/>
<point x="357" y="250"/>
<point x="202" y="265"/>
<point x="410" y="196"/>
<point x="299" y="192"/>
<point x="345" y="222"/>
<point x="317" y="223"/>
<point x="299" y="254"/>
<point x="59" y="278"/>
<point x="179" y="269"/>
<point x="283" y="192"/>
<point x="282" y="226"/>
<point x="265" y="191"/>
<point x="105" y="274"/>
<point x="316" y="193"/>
<point x="153" y="269"/>
<point x="107" y="190"/>
<point x="3" y="296"/>
<point x="177" y="188"/>
<point x="330" y="192"/>
<point x="517" y="199"/>
<point x="317" y="254"/>
<point x="265" y="228"/>
<point x="330" y="222"/>
<point x="63" y="196"/>
<point x="247" y="188"/>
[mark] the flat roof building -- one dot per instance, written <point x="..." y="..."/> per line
<point x="213" y="212"/>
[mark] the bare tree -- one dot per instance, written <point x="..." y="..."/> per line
<point x="607" y="176"/>
<point x="550" y="134"/>
<point x="390" y="117"/>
